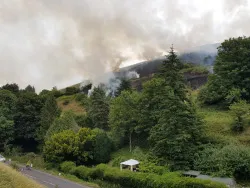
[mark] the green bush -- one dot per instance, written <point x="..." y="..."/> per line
<point x="83" y="172"/>
<point x="71" y="90"/>
<point x="231" y="160"/>
<point x="130" y="179"/>
<point x="14" y="166"/>
<point x="67" y="166"/>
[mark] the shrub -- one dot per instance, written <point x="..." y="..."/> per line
<point x="149" y="167"/>
<point x="82" y="172"/>
<point x="231" y="160"/>
<point x="141" y="180"/>
<point x="67" y="166"/>
<point x="66" y="102"/>
<point x="71" y="90"/>
<point x="14" y="166"/>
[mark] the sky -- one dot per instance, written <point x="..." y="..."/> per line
<point x="49" y="43"/>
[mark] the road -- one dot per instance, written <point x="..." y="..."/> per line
<point x="50" y="181"/>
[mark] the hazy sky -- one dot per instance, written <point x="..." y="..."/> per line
<point x="49" y="43"/>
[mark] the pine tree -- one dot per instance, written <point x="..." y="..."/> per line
<point x="124" y="85"/>
<point x="65" y="122"/>
<point x="30" y="88"/>
<point x="49" y="112"/>
<point x="98" y="109"/>
<point x="178" y="132"/>
<point x="170" y="72"/>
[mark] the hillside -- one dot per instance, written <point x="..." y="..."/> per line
<point x="66" y="103"/>
<point x="10" y="178"/>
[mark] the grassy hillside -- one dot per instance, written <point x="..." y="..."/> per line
<point x="69" y="103"/>
<point x="218" y="126"/>
<point x="10" y="178"/>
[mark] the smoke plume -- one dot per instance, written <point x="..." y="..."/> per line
<point x="59" y="42"/>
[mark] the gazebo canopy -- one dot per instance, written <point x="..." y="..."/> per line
<point x="130" y="162"/>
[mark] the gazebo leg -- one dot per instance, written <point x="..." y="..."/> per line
<point x="131" y="168"/>
<point x="121" y="167"/>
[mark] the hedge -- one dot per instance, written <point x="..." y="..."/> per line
<point x="140" y="180"/>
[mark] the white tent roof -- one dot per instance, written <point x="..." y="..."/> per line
<point x="130" y="162"/>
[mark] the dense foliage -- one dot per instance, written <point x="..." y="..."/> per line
<point x="162" y="119"/>
<point x="49" y="113"/>
<point x="123" y="116"/>
<point x="98" y="108"/>
<point x="229" y="161"/>
<point x="84" y="147"/>
<point x="231" y="70"/>
<point x="137" y="180"/>
<point x="65" y="122"/>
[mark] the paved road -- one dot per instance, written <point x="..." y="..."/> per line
<point x="50" y="181"/>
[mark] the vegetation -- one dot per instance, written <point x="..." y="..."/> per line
<point x="194" y="69"/>
<point x="129" y="179"/>
<point x="10" y="178"/>
<point x="98" y="108"/>
<point x="166" y="126"/>
<point x="231" y="71"/>
<point x="84" y="147"/>
<point x="123" y="116"/>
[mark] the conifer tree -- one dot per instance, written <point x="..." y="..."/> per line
<point x="124" y="85"/>
<point x="98" y="109"/>
<point x="170" y="72"/>
<point x="178" y="132"/>
<point x="49" y="113"/>
<point x="65" y="122"/>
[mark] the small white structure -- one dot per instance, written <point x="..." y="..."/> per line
<point x="131" y="163"/>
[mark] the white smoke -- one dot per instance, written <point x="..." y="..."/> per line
<point x="60" y="42"/>
<point x="132" y="74"/>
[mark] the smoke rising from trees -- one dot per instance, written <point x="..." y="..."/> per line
<point x="47" y="43"/>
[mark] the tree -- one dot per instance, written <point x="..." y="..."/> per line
<point x="7" y="103"/>
<point x="49" y="112"/>
<point x="71" y="90"/>
<point x="84" y="147"/>
<point x="27" y="119"/>
<point x="57" y="93"/>
<point x="231" y="70"/>
<point x="61" y="147"/>
<point x="170" y="72"/>
<point x="125" y="85"/>
<point x="102" y="146"/>
<point x="45" y="92"/>
<point x="30" y="88"/>
<point x="239" y="110"/>
<point x="6" y="130"/>
<point x="7" y="109"/>
<point x="123" y="115"/>
<point x="14" y="88"/>
<point x="179" y="132"/>
<point x="98" y="108"/>
<point x="150" y="103"/>
<point x="65" y="122"/>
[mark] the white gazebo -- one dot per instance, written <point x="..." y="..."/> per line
<point x="131" y="162"/>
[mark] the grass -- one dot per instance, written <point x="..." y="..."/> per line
<point x="38" y="163"/>
<point x="10" y="178"/>
<point x="218" y="126"/>
<point x="72" y="178"/>
<point x="72" y="105"/>
<point x="36" y="160"/>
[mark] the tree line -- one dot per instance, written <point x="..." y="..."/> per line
<point x="162" y="117"/>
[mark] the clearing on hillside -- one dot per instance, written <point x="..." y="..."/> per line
<point x="66" y="103"/>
